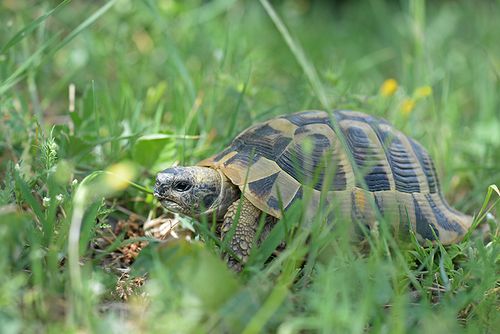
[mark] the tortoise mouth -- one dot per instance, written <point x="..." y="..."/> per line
<point x="157" y="194"/>
<point x="171" y="205"/>
<point x="168" y="203"/>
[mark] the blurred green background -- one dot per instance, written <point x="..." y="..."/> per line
<point x="157" y="83"/>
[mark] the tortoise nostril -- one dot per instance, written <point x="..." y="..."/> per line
<point x="158" y="189"/>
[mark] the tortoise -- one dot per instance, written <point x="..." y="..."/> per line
<point x="373" y="170"/>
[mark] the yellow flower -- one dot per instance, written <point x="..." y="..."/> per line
<point x="389" y="87"/>
<point x="143" y="41"/>
<point x="407" y="106"/>
<point x="423" y="91"/>
<point x="119" y="175"/>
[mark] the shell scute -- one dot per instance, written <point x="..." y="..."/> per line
<point x="278" y="162"/>
<point x="369" y="155"/>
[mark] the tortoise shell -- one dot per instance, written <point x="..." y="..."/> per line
<point x="282" y="160"/>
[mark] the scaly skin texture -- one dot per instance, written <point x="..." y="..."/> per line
<point x="243" y="237"/>
<point x="377" y="171"/>
<point x="195" y="191"/>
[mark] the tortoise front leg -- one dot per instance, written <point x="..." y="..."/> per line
<point x="244" y="233"/>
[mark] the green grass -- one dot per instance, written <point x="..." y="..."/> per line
<point x="164" y="82"/>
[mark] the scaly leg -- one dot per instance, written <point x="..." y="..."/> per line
<point x="244" y="233"/>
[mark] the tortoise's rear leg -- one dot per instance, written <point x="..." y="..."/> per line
<point x="244" y="233"/>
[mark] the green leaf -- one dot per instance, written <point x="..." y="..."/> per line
<point x="201" y="272"/>
<point x="27" y="196"/>
<point x="148" y="148"/>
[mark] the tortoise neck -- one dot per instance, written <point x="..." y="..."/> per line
<point x="228" y="194"/>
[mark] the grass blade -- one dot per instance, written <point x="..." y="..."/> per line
<point x="318" y="89"/>
<point x="484" y="209"/>
<point x="21" y="34"/>
<point x="52" y="48"/>
<point x="20" y="72"/>
<point x="300" y="56"/>
<point x="175" y="54"/>
<point x="84" y="25"/>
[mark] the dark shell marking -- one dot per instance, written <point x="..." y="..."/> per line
<point x="274" y="161"/>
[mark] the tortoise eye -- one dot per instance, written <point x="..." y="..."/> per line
<point x="182" y="186"/>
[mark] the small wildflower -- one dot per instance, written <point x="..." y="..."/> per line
<point x="407" y="106"/>
<point x="96" y="287"/>
<point x="104" y="225"/>
<point x="52" y="146"/>
<point x="422" y="92"/>
<point x="143" y="41"/>
<point x="74" y="182"/>
<point x="490" y="217"/>
<point x="46" y="201"/>
<point x="389" y="87"/>
<point x="49" y="152"/>
<point x="119" y="175"/>
<point x="59" y="197"/>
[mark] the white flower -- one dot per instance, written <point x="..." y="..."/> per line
<point x="46" y="201"/>
<point x="59" y="197"/>
<point x="96" y="287"/>
<point x="74" y="182"/>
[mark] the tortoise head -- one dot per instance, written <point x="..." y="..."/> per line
<point x="194" y="191"/>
